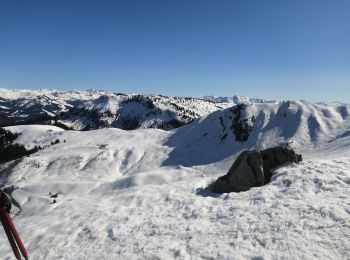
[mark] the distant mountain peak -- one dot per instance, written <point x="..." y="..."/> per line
<point x="236" y="99"/>
<point x="92" y="109"/>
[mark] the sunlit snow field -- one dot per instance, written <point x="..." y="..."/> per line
<point x="121" y="197"/>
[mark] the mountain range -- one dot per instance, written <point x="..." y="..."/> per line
<point x="238" y="118"/>
<point x="141" y="194"/>
<point x="93" y="109"/>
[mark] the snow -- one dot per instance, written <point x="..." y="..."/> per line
<point x="105" y="103"/>
<point x="236" y="99"/>
<point x="29" y="105"/>
<point x="94" y="109"/>
<point x="140" y="194"/>
<point x="31" y="94"/>
<point x="32" y="135"/>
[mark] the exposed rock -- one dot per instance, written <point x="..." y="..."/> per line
<point x="253" y="169"/>
<point x="241" y="126"/>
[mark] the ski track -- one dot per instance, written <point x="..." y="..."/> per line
<point x="120" y="202"/>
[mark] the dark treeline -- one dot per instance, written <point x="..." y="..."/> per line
<point x="11" y="151"/>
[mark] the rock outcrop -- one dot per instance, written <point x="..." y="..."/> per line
<point x="253" y="168"/>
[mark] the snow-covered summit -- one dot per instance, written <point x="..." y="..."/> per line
<point x="30" y="94"/>
<point x="39" y="105"/>
<point x="131" y="111"/>
<point x="236" y="99"/>
<point x="104" y="103"/>
<point x="259" y="126"/>
<point x="94" y="109"/>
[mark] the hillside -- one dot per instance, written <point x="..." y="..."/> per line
<point x="140" y="194"/>
<point x="39" y="106"/>
<point x="92" y="109"/>
<point x="131" y="111"/>
<point x="126" y="194"/>
<point x="259" y="125"/>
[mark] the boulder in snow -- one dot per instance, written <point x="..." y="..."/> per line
<point x="253" y="168"/>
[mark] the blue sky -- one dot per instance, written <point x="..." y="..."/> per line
<point x="290" y="49"/>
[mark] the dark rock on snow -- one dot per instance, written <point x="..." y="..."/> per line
<point x="253" y="168"/>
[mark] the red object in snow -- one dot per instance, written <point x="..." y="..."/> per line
<point x="10" y="229"/>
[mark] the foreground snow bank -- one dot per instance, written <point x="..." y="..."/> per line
<point x="120" y="200"/>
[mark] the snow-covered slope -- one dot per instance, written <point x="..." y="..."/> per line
<point x="137" y="111"/>
<point x="94" y="109"/>
<point x="126" y="194"/>
<point x="140" y="194"/>
<point x="39" y="105"/>
<point x="258" y="125"/>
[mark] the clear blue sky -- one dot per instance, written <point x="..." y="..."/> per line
<point x="282" y="49"/>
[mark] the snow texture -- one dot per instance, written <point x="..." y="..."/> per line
<point x="94" y="109"/>
<point x="140" y="194"/>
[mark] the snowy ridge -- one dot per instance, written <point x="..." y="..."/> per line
<point x="137" y="111"/>
<point x="93" y="109"/>
<point x="39" y="104"/>
<point x="50" y="93"/>
<point x="236" y="99"/>
<point x="259" y="126"/>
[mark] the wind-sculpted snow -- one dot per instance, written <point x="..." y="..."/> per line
<point x="213" y="138"/>
<point x="120" y="197"/>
